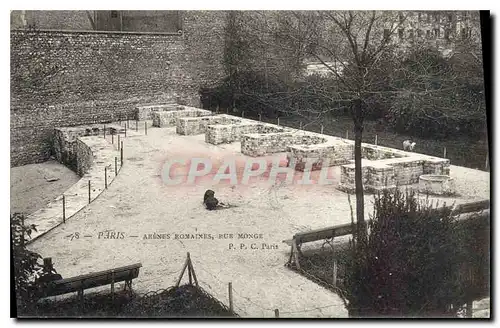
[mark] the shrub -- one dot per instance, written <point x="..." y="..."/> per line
<point x="407" y="266"/>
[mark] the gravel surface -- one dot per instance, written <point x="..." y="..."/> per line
<point x="139" y="203"/>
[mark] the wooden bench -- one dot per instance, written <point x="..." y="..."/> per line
<point x="91" y="280"/>
<point x="347" y="229"/>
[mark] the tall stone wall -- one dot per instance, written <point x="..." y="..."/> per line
<point x="73" y="78"/>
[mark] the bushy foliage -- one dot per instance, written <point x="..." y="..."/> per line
<point x="437" y="97"/>
<point x="27" y="264"/>
<point x="407" y="266"/>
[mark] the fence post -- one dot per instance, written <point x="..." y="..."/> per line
<point x="376" y="139"/>
<point x="468" y="309"/>
<point x="444" y="152"/>
<point x="260" y="118"/>
<point x="106" y="177"/>
<point x="146" y="128"/>
<point x="347" y="134"/>
<point x="487" y="161"/>
<point x="300" y="127"/>
<point x="278" y="121"/>
<point x="242" y="114"/>
<point x="334" y="273"/>
<point x="126" y="130"/>
<point x="118" y="142"/>
<point x="276" y="313"/>
<point x="89" y="192"/>
<point x="321" y="128"/>
<point x="136" y="125"/>
<point x="104" y="131"/>
<point x="121" y="155"/>
<point x="116" y="166"/>
<point x="230" y="288"/>
<point x="64" y="209"/>
<point x="112" y="138"/>
<point x="128" y="125"/>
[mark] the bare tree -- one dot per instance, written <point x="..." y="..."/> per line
<point x="353" y="46"/>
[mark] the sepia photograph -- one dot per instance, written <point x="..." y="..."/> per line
<point x="241" y="164"/>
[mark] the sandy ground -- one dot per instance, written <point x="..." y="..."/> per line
<point x="30" y="190"/>
<point x="139" y="203"/>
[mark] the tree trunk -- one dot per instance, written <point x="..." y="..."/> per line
<point x="358" y="176"/>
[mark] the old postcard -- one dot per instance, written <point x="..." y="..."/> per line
<point x="250" y="164"/>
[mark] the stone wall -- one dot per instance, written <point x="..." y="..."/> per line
<point x="392" y="172"/>
<point x="270" y="143"/>
<point x="146" y="112"/>
<point x="169" y="118"/>
<point x="65" y="141"/>
<point x="198" y="125"/>
<point x="84" y="157"/>
<point x="61" y="78"/>
<point x="218" y="134"/>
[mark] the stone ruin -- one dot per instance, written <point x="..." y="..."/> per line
<point x="382" y="167"/>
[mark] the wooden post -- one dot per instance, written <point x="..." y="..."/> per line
<point x="295" y="251"/>
<point x="278" y="121"/>
<point x="64" y="209"/>
<point x="127" y="126"/>
<point x="125" y="131"/>
<point x="242" y="114"/>
<point x="118" y="142"/>
<point x="136" y="125"/>
<point x="487" y="161"/>
<point x="276" y="313"/>
<point x="230" y="288"/>
<point x="376" y="140"/>
<point x="146" y="128"/>
<point x="113" y="286"/>
<point x="22" y="231"/>
<point x="183" y="270"/>
<point x="300" y="126"/>
<point x="47" y="263"/>
<point x="468" y="309"/>
<point x="321" y="128"/>
<point x="116" y="166"/>
<point x="106" y="177"/>
<point x="121" y="156"/>
<point x="444" y="152"/>
<point x="112" y="138"/>
<point x="260" y="118"/>
<point x="334" y="273"/>
<point x="217" y="109"/>
<point x="347" y="134"/>
<point x="104" y="131"/>
<point x="193" y="273"/>
<point x="89" y="192"/>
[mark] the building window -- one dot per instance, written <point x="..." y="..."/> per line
<point x="450" y="17"/>
<point x="428" y="34"/>
<point x="436" y="33"/>
<point x="401" y="34"/>
<point x="447" y="34"/>
<point x="463" y="33"/>
<point x="387" y="34"/>
<point x="147" y="21"/>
